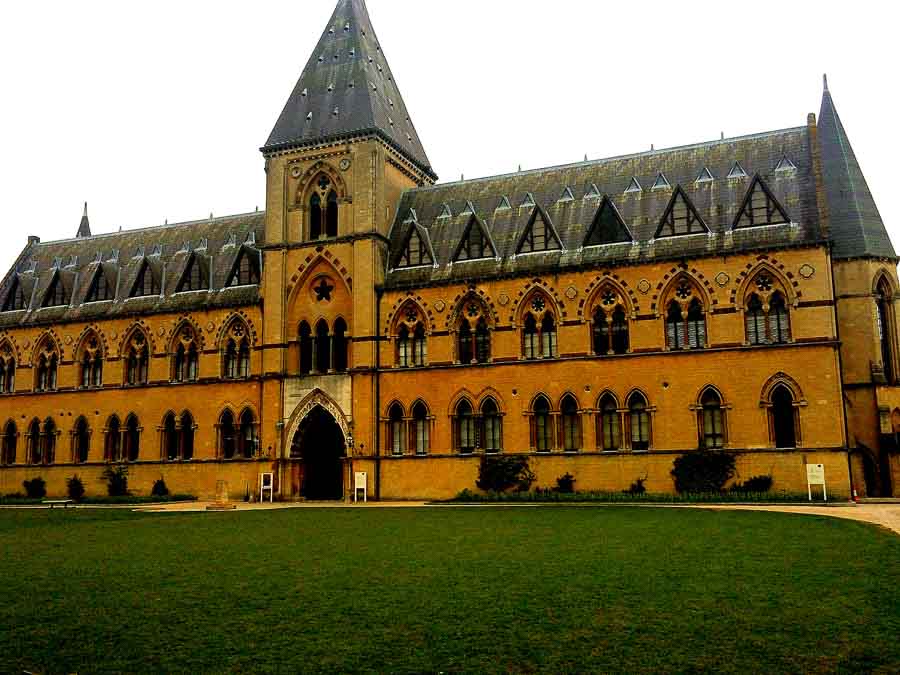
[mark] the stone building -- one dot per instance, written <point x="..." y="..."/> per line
<point x="601" y="318"/>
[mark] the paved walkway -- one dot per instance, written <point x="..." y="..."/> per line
<point x="885" y="515"/>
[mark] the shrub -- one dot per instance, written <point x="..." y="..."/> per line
<point x="75" y="488"/>
<point x="703" y="471"/>
<point x="35" y="488"/>
<point x="565" y="484"/>
<point x="756" y="485"/>
<point x="637" y="487"/>
<point x="499" y="474"/>
<point x="116" y="481"/>
<point x="160" y="489"/>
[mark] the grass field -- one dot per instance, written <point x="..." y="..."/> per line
<point x="447" y="589"/>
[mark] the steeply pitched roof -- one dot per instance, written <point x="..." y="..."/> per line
<point x="216" y="243"/>
<point x="856" y="226"/>
<point x="84" y="228"/>
<point x="348" y="88"/>
<point x="717" y="202"/>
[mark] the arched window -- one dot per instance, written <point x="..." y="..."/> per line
<point x="639" y="422"/>
<point x="48" y="442"/>
<point x="306" y="349"/>
<point x="610" y="427"/>
<point x="767" y="327"/>
<point x="531" y="337"/>
<point x="315" y="217"/>
<point x="186" y="364"/>
<point x="465" y="344"/>
<point x="137" y="355"/>
<point x="331" y="215"/>
<point x="34" y="446"/>
<point x="675" y="329"/>
<point x="473" y="334"/>
<point x="46" y="370"/>
<point x="696" y="325"/>
<point x="619" y="332"/>
<point x="397" y="438"/>
<point x="170" y="441"/>
<point x="228" y="435"/>
<point x="712" y="421"/>
<point x="784" y="418"/>
<point x="482" y="342"/>
<point x="685" y="318"/>
<point x="755" y="321"/>
<point x="492" y="424"/>
<point x="779" y="321"/>
<point x="884" y="316"/>
<point x="571" y="425"/>
<point x="548" y="337"/>
<point x="466" y="442"/>
<point x="187" y="437"/>
<point x="132" y="439"/>
<point x="113" y="440"/>
<point x="610" y="332"/>
<point x="323" y="347"/>
<point x="421" y="431"/>
<point x="539" y="331"/>
<point x="231" y="361"/>
<point x="404" y="348"/>
<point x="91" y="363"/>
<point x="602" y="333"/>
<point x="244" y="360"/>
<point x="81" y="441"/>
<point x="7" y="371"/>
<point x="420" y="346"/>
<point x="339" y="346"/>
<point x="542" y="425"/>
<point x="247" y="435"/>
<point x="10" y="441"/>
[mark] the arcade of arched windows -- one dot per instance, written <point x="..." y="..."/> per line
<point x="766" y="316"/>
<point x="324" y="349"/>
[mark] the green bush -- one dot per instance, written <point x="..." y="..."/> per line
<point x="565" y="484"/>
<point x="35" y="488"/>
<point x="757" y="484"/>
<point x="116" y="481"/>
<point x="75" y="489"/>
<point x="499" y="474"/>
<point x="703" y="471"/>
<point x="160" y="489"/>
<point x="637" y="487"/>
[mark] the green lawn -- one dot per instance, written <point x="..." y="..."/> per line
<point x="447" y="589"/>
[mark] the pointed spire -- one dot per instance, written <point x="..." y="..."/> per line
<point x="854" y="221"/>
<point x="84" y="229"/>
<point x="348" y="54"/>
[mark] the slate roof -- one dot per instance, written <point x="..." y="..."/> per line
<point x="216" y="243"/>
<point x="347" y="88"/>
<point x="856" y="225"/>
<point x="718" y="202"/>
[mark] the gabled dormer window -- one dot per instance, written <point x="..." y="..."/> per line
<point x="785" y="165"/>
<point x="737" y="171"/>
<point x="57" y="294"/>
<point x="146" y="284"/>
<point x="760" y="207"/>
<point x="193" y="278"/>
<point x="475" y="243"/>
<point x="528" y="202"/>
<point x="246" y="270"/>
<point x="634" y="186"/>
<point x="705" y="176"/>
<point x="15" y="299"/>
<point x="680" y="217"/>
<point x="608" y="226"/>
<point x="538" y="235"/>
<point x="100" y="288"/>
<point x="662" y="183"/>
<point x="415" y="252"/>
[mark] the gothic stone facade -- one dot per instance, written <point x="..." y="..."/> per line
<point x="601" y="318"/>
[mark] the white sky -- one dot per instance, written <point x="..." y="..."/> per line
<point x="154" y="111"/>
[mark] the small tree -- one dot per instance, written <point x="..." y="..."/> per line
<point x="35" y="488"/>
<point x="703" y="471"/>
<point x="565" y="484"/>
<point x="160" y="489"/>
<point x="116" y="481"/>
<point x="499" y="474"/>
<point x="75" y="488"/>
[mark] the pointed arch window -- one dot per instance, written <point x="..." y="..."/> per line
<point x="81" y="441"/>
<point x="397" y="428"/>
<point x="132" y="450"/>
<point x="146" y="284"/>
<point x="539" y="338"/>
<point x="186" y="364"/>
<point x="339" y="347"/>
<point x="571" y="425"/>
<point x="766" y="319"/>
<point x="171" y="443"/>
<point x="712" y="421"/>
<point x="194" y="278"/>
<point x="306" y="349"/>
<point x="100" y="289"/>
<point x="404" y="348"/>
<point x="15" y="298"/>
<point x="610" y="329"/>
<point x="323" y="209"/>
<point x="48" y="442"/>
<point x="227" y="435"/>
<point x="47" y="367"/>
<point x="465" y="346"/>
<point x="9" y="444"/>
<point x="784" y="421"/>
<point x="686" y="330"/>
<point x="638" y="422"/>
<point x="755" y="321"/>
<point x="137" y="356"/>
<point x="113" y="440"/>
<point x="421" y="430"/>
<point x="91" y="364"/>
<point x="492" y="425"/>
<point x="884" y="316"/>
<point x="473" y="346"/>
<point x="34" y="446"/>
<point x="231" y="359"/>
<point x="323" y="348"/>
<point x="316" y="228"/>
<point x="187" y="437"/>
<point x="466" y="440"/>
<point x="680" y="217"/>
<point x="248" y="443"/>
<point x="542" y="425"/>
<point x="610" y="433"/>
<point x="331" y="215"/>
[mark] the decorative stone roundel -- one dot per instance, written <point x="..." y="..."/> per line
<point x="295" y="172"/>
<point x="440" y="306"/>
<point x="69" y="339"/>
<point x="538" y="304"/>
<point x="503" y="299"/>
<point x="114" y="335"/>
<point x="644" y="286"/>
<point x="722" y="279"/>
<point x="210" y="327"/>
<point x="571" y="292"/>
<point x="807" y="271"/>
<point x="161" y="332"/>
<point x="345" y="164"/>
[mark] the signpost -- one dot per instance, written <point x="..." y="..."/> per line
<point x="815" y="475"/>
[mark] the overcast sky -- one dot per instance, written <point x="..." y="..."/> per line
<point x="155" y="111"/>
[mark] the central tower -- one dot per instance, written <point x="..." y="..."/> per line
<point x="340" y="155"/>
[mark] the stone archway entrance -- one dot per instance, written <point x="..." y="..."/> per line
<point x="318" y="450"/>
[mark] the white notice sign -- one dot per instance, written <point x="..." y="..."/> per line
<point x="815" y="475"/>
<point x="362" y="480"/>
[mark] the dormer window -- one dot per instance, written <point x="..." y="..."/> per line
<point x="100" y="289"/>
<point x="246" y="270"/>
<point x="415" y="252"/>
<point x="193" y="278"/>
<point x="146" y="284"/>
<point x="15" y="298"/>
<point x="57" y="295"/>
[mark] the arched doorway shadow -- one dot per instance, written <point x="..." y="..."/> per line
<point x="318" y="450"/>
